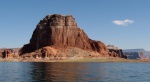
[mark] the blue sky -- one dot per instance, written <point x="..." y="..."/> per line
<point x="123" y="23"/>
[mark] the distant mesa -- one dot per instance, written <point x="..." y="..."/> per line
<point x="60" y="36"/>
<point x="136" y="53"/>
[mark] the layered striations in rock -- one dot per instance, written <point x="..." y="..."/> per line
<point x="61" y="33"/>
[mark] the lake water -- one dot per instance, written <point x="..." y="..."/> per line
<point x="74" y="72"/>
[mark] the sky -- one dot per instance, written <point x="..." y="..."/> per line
<point x="123" y="23"/>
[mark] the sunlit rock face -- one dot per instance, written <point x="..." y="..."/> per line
<point x="60" y="32"/>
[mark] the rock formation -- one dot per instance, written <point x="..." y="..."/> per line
<point x="60" y="31"/>
<point x="6" y="53"/>
<point x="60" y="34"/>
<point x="116" y="52"/>
<point x="136" y="53"/>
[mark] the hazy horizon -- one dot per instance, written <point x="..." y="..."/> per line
<point x="123" y="23"/>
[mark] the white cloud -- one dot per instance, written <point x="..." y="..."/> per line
<point x="123" y="22"/>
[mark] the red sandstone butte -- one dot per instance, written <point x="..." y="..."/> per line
<point x="61" y="32"/>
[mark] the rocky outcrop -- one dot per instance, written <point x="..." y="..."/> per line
<point x="6" y="53"/>
<point x="116" y="52"/>
<point x="136" y="53"/>
<point x="132" y="55"/>
<point x="60" y="32"/>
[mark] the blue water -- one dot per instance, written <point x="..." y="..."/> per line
<point x="74" y="72"/>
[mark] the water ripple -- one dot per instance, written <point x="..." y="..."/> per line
<point x="74" y="72"/>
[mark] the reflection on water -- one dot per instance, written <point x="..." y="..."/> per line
<point x="74" y="72"/>
<point x="67" y="71"/>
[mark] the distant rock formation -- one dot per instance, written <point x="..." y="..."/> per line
<point x="14" y="50"/>
<point x="60" y="32"/>
<point x="116" y="52"/>
<point x="9" y="52"/>
<point x="136" y="53"/>
<point x="132" y="55"/>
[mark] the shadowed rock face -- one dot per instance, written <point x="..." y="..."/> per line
<point x="59" y="32"/>
<point x="116" y="52"/>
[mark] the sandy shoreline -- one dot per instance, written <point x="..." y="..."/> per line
<point x="70" y="60"/>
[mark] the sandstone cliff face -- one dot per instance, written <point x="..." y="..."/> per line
<point x="61" y="32"/>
